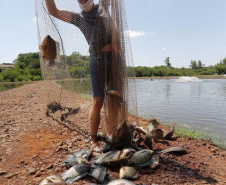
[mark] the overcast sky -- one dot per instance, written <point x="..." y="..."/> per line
<point x="183" y="30"/>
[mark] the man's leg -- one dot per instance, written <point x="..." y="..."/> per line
<point x="94" y="117"/>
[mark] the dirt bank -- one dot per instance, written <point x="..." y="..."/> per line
<point x="33" y="145"/>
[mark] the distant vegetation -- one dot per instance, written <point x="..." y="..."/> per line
<point x="27" y="68"/>
<point x="196" y="68"/>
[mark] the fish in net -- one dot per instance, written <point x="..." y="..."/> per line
<point x="85" y="48"/>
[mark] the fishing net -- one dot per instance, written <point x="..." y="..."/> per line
<point x="88" y="54"/>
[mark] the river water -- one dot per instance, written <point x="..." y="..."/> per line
<point x="7" y="86"/>
<point x="200" y="103"/>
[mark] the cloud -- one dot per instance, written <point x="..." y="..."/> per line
<point x="164" y="48"/>
<point x="134" y="34"/>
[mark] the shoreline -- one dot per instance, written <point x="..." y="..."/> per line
<point x="153" y="77"/>
<point x="31" y="141"/>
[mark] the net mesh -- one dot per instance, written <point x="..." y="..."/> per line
<point x="88" y="53"/>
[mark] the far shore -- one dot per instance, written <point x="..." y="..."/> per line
<point x="177" y="77"/>
<point x="151" y="77"/>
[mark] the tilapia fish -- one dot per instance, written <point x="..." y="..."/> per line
<point x="141" y="158"/>
<point x="98" y="173"/>
<point x="50" y="51"/>
<point x="53" y="180"/>
<point x="127" y="172"/>
<point x="169" y="135"/>
<point x="147" y="139"/>
<point x="102" y="159"/>
<point x="154" y="122"/>
<point x="157" y="134"/>
<point x="154" y="161"/>
<point x="76" y="172"/>
<point x="76" y="158"/>
<point x="123" y="135"/>
<point x="121" y="182"/>
<point x="174" y="150"/>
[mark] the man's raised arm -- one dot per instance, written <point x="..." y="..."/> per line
<point x="63" y="15"/>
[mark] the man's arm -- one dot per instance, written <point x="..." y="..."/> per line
<point x="63" y="15"/>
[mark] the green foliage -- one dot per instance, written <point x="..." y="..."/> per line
<point x="1" y="78"/>
<point x="27" y="68"/>
<point x="167" y="62"/>
<point x="220" y="68"/>
<point x="196" y="68"/>
<point x="79" y="65"/>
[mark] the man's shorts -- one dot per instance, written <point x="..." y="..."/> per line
<point x="100" y="73"/>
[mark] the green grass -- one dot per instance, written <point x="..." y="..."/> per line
<point x="187" y="131"/>
<point x="86" y="96"/>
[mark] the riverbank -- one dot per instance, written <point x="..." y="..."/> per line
<point x="32" y="146"/>
<point x="177" y="77"/>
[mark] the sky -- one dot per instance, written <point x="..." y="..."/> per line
<point x="183" y="30"/>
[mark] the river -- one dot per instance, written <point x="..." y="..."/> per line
<point x="200" y="103"/>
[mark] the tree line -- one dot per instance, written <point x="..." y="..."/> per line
<point x="27" y="68"/>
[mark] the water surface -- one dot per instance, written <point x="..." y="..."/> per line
<point x="7" y="86"/>
<point x="199" y="103"/>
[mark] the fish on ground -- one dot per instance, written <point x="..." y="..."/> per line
<point x="148" y="139"/>
<point x="175" y="150"/>
<point x="157" y="134"/>
<point x="76" y="172"/>
<point x="53" y="180"/>
<point x="154" y="161"/>
<point x="98" y="173"/>
<point x="141" y="158"/>
<point x="120" y="182"/>
<point x="101" y="159"/>
<point x="127" y="172"/>
<point x="76" y="156"/>
<point x="169" y="135"/>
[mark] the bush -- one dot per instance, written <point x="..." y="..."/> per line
<point x="36" y="78"/>
<point x="1" y="78"/>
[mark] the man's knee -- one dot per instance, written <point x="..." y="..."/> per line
<point x="98" y="103"/>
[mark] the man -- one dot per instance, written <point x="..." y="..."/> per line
<point x="95" y="24"/>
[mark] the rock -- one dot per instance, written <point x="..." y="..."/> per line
<point x="32" y="171"/>
<point x="49" y="167"/>
<point x="38" y="173"/>
<point x="60" y="144"/>
<point x="57" y="170"/>
<point x="34" y="156"/>
<point x="34" y="164"/>
<point x="42" y="169"/>
<point x="10" y="175"/>
<point x="2" y="172"/>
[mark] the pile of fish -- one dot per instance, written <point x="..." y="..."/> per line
<point x="129" y="149"/>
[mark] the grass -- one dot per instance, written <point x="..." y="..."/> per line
<point x="86" y="96"/>
<point x="187" y="131"/>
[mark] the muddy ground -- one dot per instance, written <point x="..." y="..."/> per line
<point x="32" y="145"/>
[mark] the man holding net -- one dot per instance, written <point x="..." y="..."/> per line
<point x="95" y="24"/>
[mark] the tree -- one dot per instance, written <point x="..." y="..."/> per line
<point x="224" y="61"/>
<point x="193" y="64"/>
<point x="167" y="62"/>
<point x="200" y="65"/>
